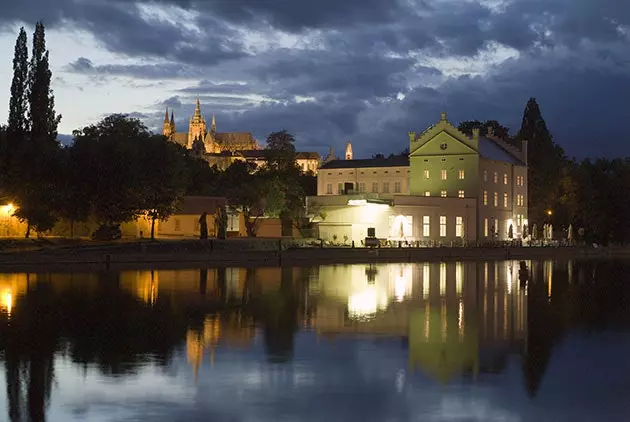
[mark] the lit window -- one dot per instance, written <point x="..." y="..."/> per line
<point x="178" y="225"/>
<point x="443" y="194"/>
<point x="426" y="226"/>
<point x="443" y="174"/>
<point x="361" y="187"/>
<point x="505" y="200"/>
<point x="329" y="189"/>
<point x="505" y="179"/>
<point x="459" y="222"/>
<point x="485" y="197"/>
<point x="427" y="193"/>
<point x="426" y="173"/>
<point x="496" y="199"/>
<point x="397" y="187"/>
<point x="340" y="188"/>
<point x="442" y="226"/>
<point x="485" y="175"/>
<point x="461" y="174"/>
<point x="374" y="187"/>
<point x="442" y="278"/>
<point x="496" y="177"/>
<point x="385" y="187"/>
<point x="485" y="227"/>
<point x="460" y="194"/>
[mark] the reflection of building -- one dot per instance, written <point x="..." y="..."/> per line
<point x="224" y="148"/>
<point x="12" y="287"/>
<point x="231" y="331"/>
<point x="451" y="186"/>
<point x="448" y="311"/>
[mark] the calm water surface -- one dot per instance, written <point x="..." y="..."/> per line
<point x="456" y="341"/>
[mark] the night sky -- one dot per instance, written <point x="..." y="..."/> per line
<point x="330" y="71"/>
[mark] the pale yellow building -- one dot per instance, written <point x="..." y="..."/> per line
<point x="452" y="185"/>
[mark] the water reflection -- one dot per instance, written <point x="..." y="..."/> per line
<point x="365" y="330"/>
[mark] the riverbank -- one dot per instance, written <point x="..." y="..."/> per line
<point x="50" y="256"/>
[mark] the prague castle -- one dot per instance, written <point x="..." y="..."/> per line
<point x="213" y="141"/>
<point x="223" y="148"/>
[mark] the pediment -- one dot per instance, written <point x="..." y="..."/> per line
<point x="443" y="142"/>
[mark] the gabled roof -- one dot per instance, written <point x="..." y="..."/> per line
<point x="492" y="150"/>
<point x="307" y="155"/>
<point x="235" y="139"/>
<point x="395" y="161"/>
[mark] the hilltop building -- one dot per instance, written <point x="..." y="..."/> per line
<point x="224" y="148"/>
<point x="451" y="187"/>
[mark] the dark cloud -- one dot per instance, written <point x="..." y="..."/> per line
<point x="353" y="58"/>
<point x="172" y="102"/>
<point x="294" y="16"/>
<point x="84" y="65"/>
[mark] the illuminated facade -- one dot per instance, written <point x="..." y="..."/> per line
<point x="462" y="187"/>
<point x="224" y="148"/>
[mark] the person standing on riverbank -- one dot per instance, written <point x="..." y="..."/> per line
<point x="203" y="226"/>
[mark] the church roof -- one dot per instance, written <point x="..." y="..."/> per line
<point x="307" y="155"/>
<point x="181" y="138"/>
<point x="234" y="138"/>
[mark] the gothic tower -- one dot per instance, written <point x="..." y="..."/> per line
<point x="167" y="129"/>
<point x="213" y="125"/>
<point x="172" y="124"/>
<point x="197" y="128"/>
<point x="348" y="151"/>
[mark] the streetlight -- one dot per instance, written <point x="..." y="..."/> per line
<point x="549" y="212"/>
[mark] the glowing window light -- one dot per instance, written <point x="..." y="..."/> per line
<point x="357" y="202"/>
<point x="6" y="300"/>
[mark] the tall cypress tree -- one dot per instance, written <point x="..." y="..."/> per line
<point x="17" y="129"/>
<point x="545" y="161"/>
<point x="42" y="116"/>
<point x="33" y="135"/>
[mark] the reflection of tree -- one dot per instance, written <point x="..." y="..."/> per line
<point x="541" y="333"/>
<point x="278" y="313"/>
<point x="106" y="326"/>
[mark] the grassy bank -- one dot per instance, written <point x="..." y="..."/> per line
<point x="48" y="255"/>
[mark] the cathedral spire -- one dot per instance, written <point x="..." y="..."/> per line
<point x="198" y="109"/>
<point x="172" y="121"/>
<point x="166" y="116"/>
<point x="213" y="125"/>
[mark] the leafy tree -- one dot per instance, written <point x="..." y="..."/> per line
<point x="498" y="129"/>
<point x="112" y="166"/>
<point x="280" y="152"/>
<point x="163" y="178"/>
<point x="198" y="147"/>
<point x="545" y="161"/>
<point x="75" y="188"/>
<point x="246" y="192"/>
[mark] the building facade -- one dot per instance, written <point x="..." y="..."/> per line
<point x="224" y="148"/>
<point x="451" y="186"/>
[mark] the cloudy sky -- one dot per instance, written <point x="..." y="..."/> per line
<point x="330" y="71"/>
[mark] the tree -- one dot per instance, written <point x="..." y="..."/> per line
<point x="280" y="152"/>
<point x="75" y="189"/>
<point x="545" y="162"/>
<point x="246" y="192"/>
<point x="32" y="135"/>
<point x="164" y="178"/>
<point x="198" y="147"/>
<point x="498" y="129"/>
<point x="111" y="152"/>
<point x="17" y="129"/>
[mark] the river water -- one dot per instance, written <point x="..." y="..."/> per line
<point x="451" y="341"/>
